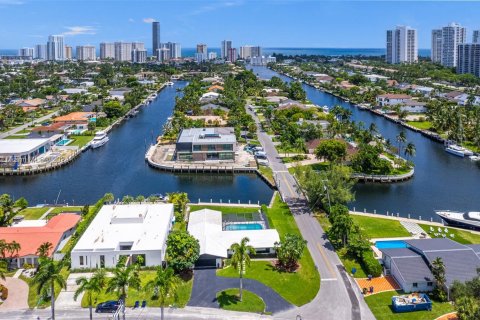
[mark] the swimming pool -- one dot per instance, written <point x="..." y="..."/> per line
<point x="64" y="142"/>
<point x="243" y="226"/>
<point x="390" y="244"/>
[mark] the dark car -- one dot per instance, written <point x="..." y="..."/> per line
<point x="107" y="306"/>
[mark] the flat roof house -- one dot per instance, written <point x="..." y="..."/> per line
<point x="124" y="230"/>
<point x="215" y="239"/>
<point x="201" y="144"/>
<point x="56" y="231"/>
<point x="411" y="266"/>
<point x="22" y="151"/>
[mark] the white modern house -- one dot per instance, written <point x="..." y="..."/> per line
<point x="124" y="230"/>
<point x="216" y="238"/>
<point x="20" y="151"/>
<point x="391" y="99"/>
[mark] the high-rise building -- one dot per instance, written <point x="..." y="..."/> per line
<point x="452" y="35"/>
<point x="138" y="45"/>
<point x="202" y="48"/>
<point x="25" y="52"/>
<point x="232" y="55"/>
<point x="262" y="60"/>
<point x="155" y="37"/>
<point x="468" y="58"/>
<point x="436" y="55"/>
<point x="139" y="55"/>
<point x="40" y="52"/>
<point x="212" y="55"/>
<point x="123" y="51"/>
<point x="68" y="53"/>
<point x="248" y="52"/>
<point x="86" y="53"/>
<point x="55" y="48"/>
<point x="476" y="36"/>
<point x="163" y="54"/>
<point x="224" y="48"/>
<point x="402" y="45"/>
<point x="175" y="49"/>
<point x="107" y="51"/>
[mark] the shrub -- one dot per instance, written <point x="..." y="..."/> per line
<point x="3" y="292"/>
<point x="28" y="266"/>
<point x="370" y="264"/>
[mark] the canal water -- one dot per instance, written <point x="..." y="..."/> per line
<point x="441" y="181"/>
<point x="119" y="167"/>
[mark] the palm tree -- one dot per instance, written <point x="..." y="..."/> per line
<point x="90" y="287"/>
<point x="164" y="284"/>
<point x="48" y="275"/>
<point x="410" y="150"/>
<point x="3" y="269"/>
<point x="108" y="197"/>
<point x="44" y="249"/>
<point x="123" y="278"/>
<point x="438" y="271"/>
<point x="401" y="139"/>
<point x="241" y="258"/>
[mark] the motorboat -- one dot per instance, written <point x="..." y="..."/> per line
<point x="169" y="83"/>
<point x="469" y="219"/>
<point x="458" y="150"/>
<point x="326" y="109"/>
<point x="99" y="140"/>
<point x="474" y="158"/>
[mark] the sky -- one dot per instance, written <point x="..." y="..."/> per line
<point x="268" y="23"/>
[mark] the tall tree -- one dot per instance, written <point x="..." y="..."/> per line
<point x="401" y="139"/>
<point x="165" y="284"/>
<point x="183" y="250"/>
<point x="90" y="287"/>
<point x="44" y="249"/>
<point x="438" y="271"/>
<point x="410" y="150"/>
<point x="240" y="259"/>
<point x="48" y="275"/>
<point x="290" y="250"/>
<point x="124" y="277"/>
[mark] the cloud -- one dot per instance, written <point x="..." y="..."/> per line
<point x="149" y="20"/>
<point x="77" y="30"/>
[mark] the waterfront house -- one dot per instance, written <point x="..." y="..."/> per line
<point x="411" y="266"/>
<point x="288" y="104"/>
<point x="209" y="120"/>
<point x="30" y="234"/>
<point x="391" y="99"/>
<point x="209" y="96"/>
<point x="49" y="130"/>
<point x="215" y="88"/>
<point x="209" y="108"/>
<point x="413" y="106"/>
<point x="131" y="231"/>
<point x="70" y="91"/>
<point x="21" y="151"/>
<point x="201" y="144"/>
<point x="75" y="118"/>
<point x="216" y="236"/>
<point x="324" y="78"/>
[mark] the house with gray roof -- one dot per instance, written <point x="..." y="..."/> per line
<point x="411" y="266"/>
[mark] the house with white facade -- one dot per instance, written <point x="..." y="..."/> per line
<point x="391" y="99"/>
<point x="414" y="106"/>
<point x="124" y="230"/>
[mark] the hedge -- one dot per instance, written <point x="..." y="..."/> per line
<point x="370" y="264"/>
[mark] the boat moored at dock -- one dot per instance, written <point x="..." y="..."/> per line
<point x="99" y="140"/>
<point x="461" y="219"/>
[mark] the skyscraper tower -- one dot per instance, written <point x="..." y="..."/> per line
<point x="452" y="35"/>
<point x="226" y="46"/>
<point x="155" y="37"/>
<point x="55" y="48"/>
<point x="402" y="45"/>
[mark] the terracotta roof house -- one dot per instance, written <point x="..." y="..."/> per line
<point x="75" y="117"/>
<point x="35" y="103"/>
<point x="287" y="104"/>
<point x="215" y="88"/>
<point x="56" y="231"/>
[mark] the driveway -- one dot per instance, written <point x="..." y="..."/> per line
<point x="206" y="284"/>
<point x="17" y="294"/>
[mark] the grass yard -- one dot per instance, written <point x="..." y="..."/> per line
<point x="32" y="213"/>
<point x="461" y="236"/>
<point x="133" y="295"/>
<point x="228" y="300"/>
<point x="380" y="304"/>
<point x="80" y="141"/>
<point x="226" y="209"/>
<point x="34" y="298"/>
<point x="267" y="173"/>
<point x="422" y="125"/>
<point x="298" y="287"/>
<point x="65" y="209"/>
<point x="350" y="263"/>
<point x="379" y="227"/>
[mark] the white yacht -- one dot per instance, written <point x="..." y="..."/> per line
<point x="170" y="83"/>
<point x="458" y="150"/>
<point x="99" y="140"/>
<point x="462" y="219"/>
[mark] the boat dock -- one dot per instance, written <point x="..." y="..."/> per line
<point x="383" y="178"/>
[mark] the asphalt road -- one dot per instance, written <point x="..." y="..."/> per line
<point x="339" y="297"/>
<point x="24" y="126"/>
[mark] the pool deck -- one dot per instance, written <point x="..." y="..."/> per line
<point x="379" y="284"/>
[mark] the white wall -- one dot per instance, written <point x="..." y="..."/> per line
<point x="92" y="259"/>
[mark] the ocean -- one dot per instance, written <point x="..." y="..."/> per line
<point x="190" y="52"/>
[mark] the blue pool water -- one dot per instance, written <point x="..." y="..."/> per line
<point x="63" y="142"/>
<point x="244" y="226"/>
<point x="390" y="244"/>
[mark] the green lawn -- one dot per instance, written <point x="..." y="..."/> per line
<point x="423" y="125"/>
<point x="133" y="295"/>
<point x="32" y="213"/>
<point x="350" y="263"/>
<point x="229" y="300"/>
<point x="226" y="209"/>
<point x="380" y="304"/>
<point x="13" y="136"/>
<point x="298" y="287"/>
<point x="461" y="236"/>
<point x="267" y="173"/>
<point x="472" y="146"/>
<point x="380" y="228"/>
<point x="80" y="141"/>
<point x="65" y="209"/>
<point x="34" y="298"/>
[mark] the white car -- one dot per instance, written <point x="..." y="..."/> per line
<point x="262" y="162"/>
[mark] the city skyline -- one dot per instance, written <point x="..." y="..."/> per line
<point x="192" y="22"/>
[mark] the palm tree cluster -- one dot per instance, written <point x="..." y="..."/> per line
<point x="8" y="250"/>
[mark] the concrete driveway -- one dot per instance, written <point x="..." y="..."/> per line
<point x="17" y="294"/>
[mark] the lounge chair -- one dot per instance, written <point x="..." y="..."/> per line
<point x="446" y="230"/>
<point x="431" y="229"/>
<point x="137" y="303"/>
<point x="439" y="229"/>
<point x="444" y="235"/>
<point x="144" y="303"/>
<point x="452" y="235"/>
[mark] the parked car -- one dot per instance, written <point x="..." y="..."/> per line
<point x="262" y="162"/>
<point x="107" y="307"/>
<point x="260" y="153"/>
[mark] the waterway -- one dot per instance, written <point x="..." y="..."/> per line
<point x="119" y="167"/>
<point x="441" y="181"/>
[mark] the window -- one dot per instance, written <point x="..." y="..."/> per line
<point x="430" y="284"/>
<point x="211" y="147"/>
<point x="197" y="148"/>
<point x="81" y="260"/>
<point x="415" y="284"/>
<point x="227" y="147"/>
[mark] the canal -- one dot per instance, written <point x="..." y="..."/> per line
<point x="119" y="167"/>
<point x="441" y="181"/>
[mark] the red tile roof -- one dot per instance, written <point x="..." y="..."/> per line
<point x="30" y="238"/>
